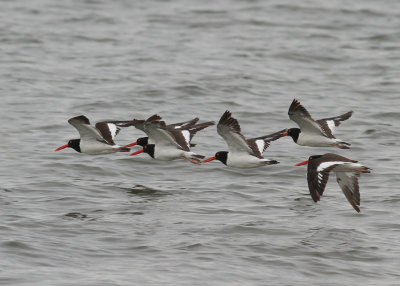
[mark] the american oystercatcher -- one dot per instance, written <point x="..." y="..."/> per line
<point x="315" y="133"/>
<point x="347" y="173"/>
<point x="243" y="153"/>
<point x="168" y="142"/>
<point x="188" y="128"/>
<point x="94" y="140"/>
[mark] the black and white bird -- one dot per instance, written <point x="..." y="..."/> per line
<point x="94" y="140"/>
<point x="315" y="133"/>
<point x="243" y="153"/>
<point x="169" y="142"/>
<point x="347" y="173"/>
<point x="187" y="128"/>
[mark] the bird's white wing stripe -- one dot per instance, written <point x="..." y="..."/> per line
<point x="186" y="134"/>
<point x="348" y="167"/>
<point x="113" y="129"/>
<point x="325" y="165"/>
<point x="331" y="125"/>
<point x="260" y="145"/>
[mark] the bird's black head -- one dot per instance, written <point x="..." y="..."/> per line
<point x="142" y="141"/>
<point x="294" y="133"/>
<point x="149" y="149"/>
<point x="311" y="158"/>
<point x="314" y="157"/>
<point x="222" y="156"/>
<point x="74" y="144"/>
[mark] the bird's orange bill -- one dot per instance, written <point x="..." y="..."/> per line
<point x="62" y="147"/>
<point x="302" y="163"/>
<point x="130" y="145"/>
<point x="137" y="152"/>
<point x="284" y="134"/>
<point x="208" y="159"/>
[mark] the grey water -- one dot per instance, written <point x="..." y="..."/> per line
<point x="72" y="219"/>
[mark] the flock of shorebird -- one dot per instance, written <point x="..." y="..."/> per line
<point x="169" y="142"/>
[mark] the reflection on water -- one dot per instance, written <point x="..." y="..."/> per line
<point x="146" y="192"/>
<point x="76" y="215"/>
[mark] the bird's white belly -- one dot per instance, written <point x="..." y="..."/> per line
<point x="96" y="148"/>
<point x="242" y="161"/>
<point x="317" y="140"/>
<point x="167" y="154"/>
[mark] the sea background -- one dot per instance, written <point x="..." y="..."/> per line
<point x="73" y="219"/>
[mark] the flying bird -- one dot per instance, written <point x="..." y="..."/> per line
<point x="347" y="173"/>
<point x="243" y="153"/>
<point x="188" y="129"/>
<point x="168" y="142"/>
<point x="94" y="140"/>
<point x="315" y="133"/>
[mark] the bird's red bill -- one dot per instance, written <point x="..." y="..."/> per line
<point x="284" y="134"/>
<point x="130" y="145"/>
<point x="62" y="147"/>
<point x="137" y="152"/>
<point x="208" y="159"/>
<point x="302" y="163"/>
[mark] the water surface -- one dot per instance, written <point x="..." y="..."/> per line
<point x="75" y="219"/>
